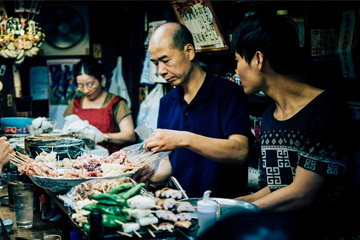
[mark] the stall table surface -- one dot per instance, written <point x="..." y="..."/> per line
<point x="39" y="225"/>
<point x="65" y="224"/>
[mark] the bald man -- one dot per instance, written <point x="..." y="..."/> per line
<point x="203" y="120"/>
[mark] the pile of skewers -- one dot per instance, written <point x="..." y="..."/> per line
<point x="31" y="167"/>
<point x="45" y="164"/>
<point x="127" y="212"/>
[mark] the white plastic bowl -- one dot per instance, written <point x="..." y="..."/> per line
<point x="63" y="185"/>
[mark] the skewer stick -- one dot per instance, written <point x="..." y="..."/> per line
<point x="151" y="233"/>
<point x="15" y="163"/>
<point x="147" y="162"/>
<point x="16" y="157"/>
<point x="124" y="233"/>
<point x="45" y="164"/>
<point x="146" y="157"/>
<point x="17" y="160"/>
<point x="119" y="222"/>
<point x="169" y="229"/>
<point x="137" y="234"/>
<point x="155" y="227"/>
<point x="25" y="157"/>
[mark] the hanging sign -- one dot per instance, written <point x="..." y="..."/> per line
<point x="199" y="17"/>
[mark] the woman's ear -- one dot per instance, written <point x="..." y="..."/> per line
<point x="103" y="81"/>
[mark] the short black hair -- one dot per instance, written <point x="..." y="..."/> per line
<point x="90" y="66"/>
<point x="181" y="37"/>
<point x="275" y="36"/>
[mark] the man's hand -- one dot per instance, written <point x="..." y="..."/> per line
<point x="164" y="140"/>
<point x="144" y="174"/>
<point x="5" y="149"/>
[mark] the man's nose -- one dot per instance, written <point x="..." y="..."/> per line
<point x="162" y="69"/>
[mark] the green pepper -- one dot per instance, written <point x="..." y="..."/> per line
<point x="106" y="209"/>
<point x="109" y="220"/>
<point x="120" y="201"/>
<point x="105" y="199"/>
<point x="90" y="207"/>
<point x="120" y="188"/>
<point x="109" y="199"/>
<point x="132" y="191"/>
<point x="86" y="227"/>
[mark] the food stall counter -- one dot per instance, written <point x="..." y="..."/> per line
<point x="39" y="226"/>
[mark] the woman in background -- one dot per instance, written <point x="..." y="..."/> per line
<point x="105" y="111"/>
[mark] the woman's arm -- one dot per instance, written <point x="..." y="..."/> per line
<point x="126" y="134"/>
<point x="298" y="195"/>
<point x="255" y="196"/>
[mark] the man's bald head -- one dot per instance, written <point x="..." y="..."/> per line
<point x="177" y="34"/>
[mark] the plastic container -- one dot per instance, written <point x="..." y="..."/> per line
<point x="15" y="125"/>
<point x="206" y="210"/>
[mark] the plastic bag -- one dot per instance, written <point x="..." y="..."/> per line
<point x="149" y="108"/>
<point x="74" y="124"/>
<point x="117" y="85"/>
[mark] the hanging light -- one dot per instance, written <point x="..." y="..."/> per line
<point x="21" y="37"/>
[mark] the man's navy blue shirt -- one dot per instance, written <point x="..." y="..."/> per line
<point x="217" y="111"/>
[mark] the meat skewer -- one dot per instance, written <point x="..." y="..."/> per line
<point x="166" y="226"/>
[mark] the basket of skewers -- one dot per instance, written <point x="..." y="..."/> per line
<point x="128" y="210"/>
<point x="59" y="175"/>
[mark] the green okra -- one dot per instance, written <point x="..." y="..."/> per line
<point x="132" y="191"/>
<point x="120" y="188"/>
<point x="105" y="209"/>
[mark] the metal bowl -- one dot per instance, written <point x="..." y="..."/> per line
<point x="65" y="148"/>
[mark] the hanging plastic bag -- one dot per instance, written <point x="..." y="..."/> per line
<point x="117" y="85"/>
<point x="149" y="108"/>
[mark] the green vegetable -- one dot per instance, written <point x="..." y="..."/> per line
<point x="105" y="209"/>
<point x="86" y="227"/>
<point x="120" y="188"/>
<point x="109" y="220"/>
<point x="132" y="191"/>
<point x="105" y="199"/>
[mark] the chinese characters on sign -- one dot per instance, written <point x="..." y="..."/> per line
<point x="200" y="22"/>
<point x="200" y="19"/>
